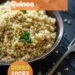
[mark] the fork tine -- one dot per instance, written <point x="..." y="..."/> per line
<point x="72" y="42"/>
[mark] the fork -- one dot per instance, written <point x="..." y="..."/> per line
<point x="71" y="48"/>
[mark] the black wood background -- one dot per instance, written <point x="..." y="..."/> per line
<point x="69" y="33"/>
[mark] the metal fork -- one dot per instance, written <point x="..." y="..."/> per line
<point x="71" y="48"/>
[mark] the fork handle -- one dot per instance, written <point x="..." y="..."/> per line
<point x="58" y="63"/>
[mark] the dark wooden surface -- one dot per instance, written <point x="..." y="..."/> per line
<point x="69" y="34"/>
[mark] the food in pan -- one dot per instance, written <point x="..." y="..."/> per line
<point x="25" y="34"/>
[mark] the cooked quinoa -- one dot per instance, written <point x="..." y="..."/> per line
<point x="24" y="34"/>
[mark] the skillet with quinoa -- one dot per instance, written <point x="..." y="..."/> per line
<point x="24" y="34"/>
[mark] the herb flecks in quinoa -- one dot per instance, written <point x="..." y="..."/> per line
<point x="25" y="35"/>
